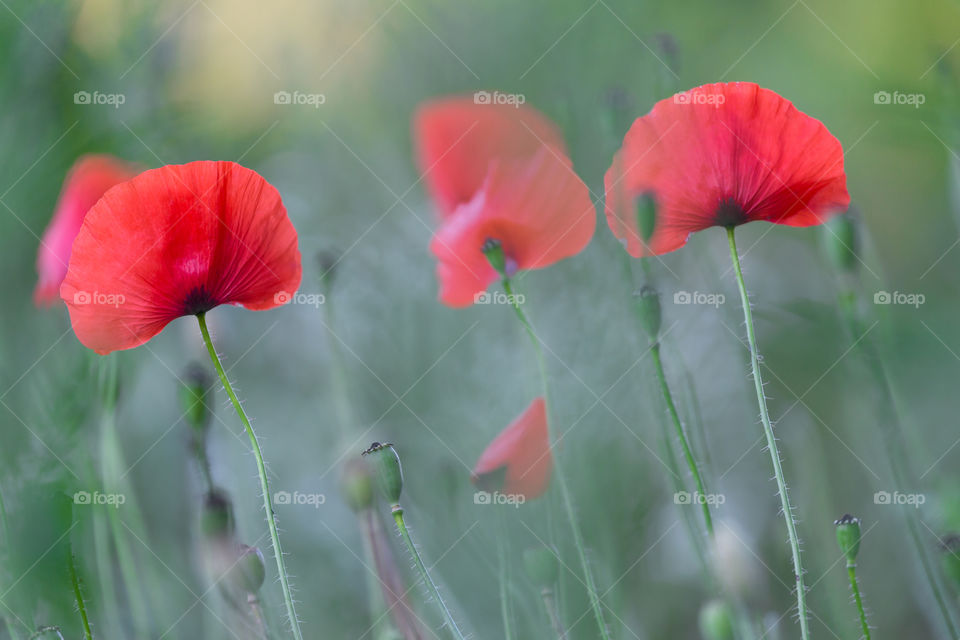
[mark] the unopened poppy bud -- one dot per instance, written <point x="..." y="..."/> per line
<point x="386" y="468"/>
<point x="649" y="311"/>
<point x="646" y="216"/>
<point x="951" y="558"/>
<point x="840" y="239"/>
<point x="716" y="621"/>
<point x="356" y="486"/>
<point x="216" y="517"/>
<point x="493" y="249"/>
<point x="193" y="396"/>
<point x="248" y="571"/>
<point x="542" y="566"/>
<point x="848" y="537"/>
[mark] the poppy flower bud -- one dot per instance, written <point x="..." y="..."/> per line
<point x="493" y="249"/>
<point x="193" y="396"/>
<point x="646" y="216"/>
<point x="249" y="571"/>
<point x="216" y="517"/>
<point x="648" y="308"/>
<point x="716" y="621"/>
<point x="542" y="566"/>
<point x="356" y="486"/>
<point x="951" y="558"/>
<point x="848" y="537"/>
<point x="840" y="240"/>
<point x="386" y="468"/>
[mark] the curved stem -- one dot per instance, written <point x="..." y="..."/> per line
<point x="264" y="485"/>
<point x="427" y="580"/>
<point x="81" y="606"/>
<point x="684" y="444"/>
<point x="591" y="584"/>
<point x="852" y="573"/>
<point x="771" y="440"/>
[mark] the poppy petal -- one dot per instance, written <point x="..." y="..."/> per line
<point x="175" y="241"/>
<point x="86" y="182"/>
<point x="719" y="155"/>
<point x="457" y="139"/>
<point x="519" y="460"/>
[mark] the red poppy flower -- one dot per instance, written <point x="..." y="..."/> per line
<point x="174" y="241"/>
<point x="721" y="155"/>
<point x="518" y="461"/>
<point x="86" y="182"/>
<point x="498" y="173"/>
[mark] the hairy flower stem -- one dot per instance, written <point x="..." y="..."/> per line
<point x="264" y="485"/>
<point x="852" y="573"/>
<point x="550" y="603"/>
<point x="75" y="581"/>
<point x="558" y="472"/>
<point x="771" y="440"/>
<point x="427" y="580"/>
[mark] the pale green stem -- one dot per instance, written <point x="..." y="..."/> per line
<point x="771" y="440"/>
<point x="264" y="484"/>
<point x="504" y="578"/>
<point x="852" y="573"/>
<point x="424" y="574"/>
<point x="81" y="606"/>
<point x="558" y="472"/>
<point x="550" y="603"/>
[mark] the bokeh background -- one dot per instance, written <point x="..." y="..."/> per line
<point x="198" y="80"/>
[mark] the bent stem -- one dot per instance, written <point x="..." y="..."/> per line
<point x="852" y="573"/>
<point x="427" y="580"/>
<point x="591" y="584"/>
<point x="81" y="606"/>
<point x="262" y="470"/>
<point x="771" y="439"/>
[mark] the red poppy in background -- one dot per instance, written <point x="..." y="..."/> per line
<point x="723" y="155"/>
<point x="498" y="172"/>
<point x="174" y="241"/>
<point x="86" y="182"/>
<point x="518" y="461"/>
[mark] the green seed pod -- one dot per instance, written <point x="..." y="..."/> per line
<point x="216" y="517"/>
<point x="716" y="621"/>
<point x="249" y="571"/>
<point x="542" y="566"/>
<point x="356" y="486"/>
<point x="493" y="249"/>
<point x="840" y="241"/>
<point x="648" y="308"/>
<point x="646" y="216"/>
<point x="848" y="537"/>
<point x="951" y="558"/>
<point x="386" y="468"/>
<point x="193" y="397"/>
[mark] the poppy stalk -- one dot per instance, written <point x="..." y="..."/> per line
<point x="78" y="594"/>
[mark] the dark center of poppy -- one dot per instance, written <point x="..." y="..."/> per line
<point x="729" y="213"/>
<point x="198" y="301"/>
<point x="492" y="480"/>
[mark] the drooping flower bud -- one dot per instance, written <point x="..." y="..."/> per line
<point x="248" y="571"/>
<point x="848" y="537"/>
<point x="493" y="249"/>
<point x="542" y="566"/>
<point x="950" y="559"/>
<point x="193" y="396"/>
<point x="646" y="206"/>
<point x="386" y="468"/>
<point x="216" y="516"/>
<point x="649" y="311"/>
<point x="356" y="486"/>
<point x="840" y="241"/>
<point x="716" y="621"/>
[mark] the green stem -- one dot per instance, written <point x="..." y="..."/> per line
<point x="852" y="573"/>
<point x="550" y="603"/>
<point x="427" y="580"/>
<point x="81" y="606"/>
<point x="264" y="484"/>
<point x="558" y="473"/>
<point x="504" y="579"/>
<point x="771" y="440"/>
<point x="684" y="444"/>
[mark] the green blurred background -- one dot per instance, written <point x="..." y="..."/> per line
<point x="199" y="79"/>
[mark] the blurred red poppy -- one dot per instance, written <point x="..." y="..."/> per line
<point x="518" y="461"/>
<point x="498" y="172"/>
<point x="174" y="241"/>
<point x="86" y="182"/>
<point x="722" y="155"/>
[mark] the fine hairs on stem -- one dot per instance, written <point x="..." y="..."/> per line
<point x="78" y="594"/>
<point x="771" y="440"/>
<point x="264" y="485"/>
